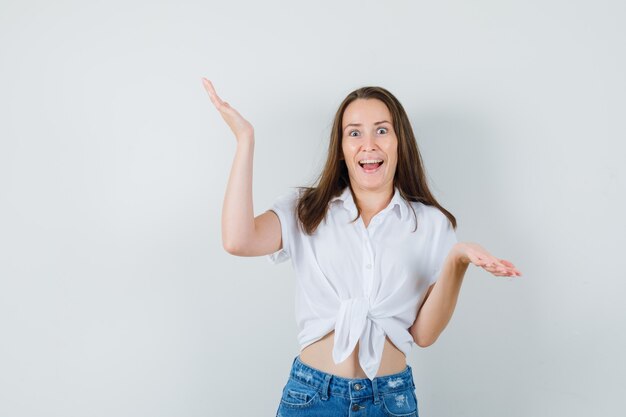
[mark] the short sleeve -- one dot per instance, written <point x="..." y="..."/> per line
<point x="284" y="207"/>
<point x="443" y="239"/>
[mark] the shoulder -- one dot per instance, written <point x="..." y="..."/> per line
<point x="426" y="211"/>
<point x="429" y="215"/>
<point x="291" y="195"/>
<point x="288" y="199"/>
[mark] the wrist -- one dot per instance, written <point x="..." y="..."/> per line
<point x="246" y="140"/>
<point x="458" y="254"/>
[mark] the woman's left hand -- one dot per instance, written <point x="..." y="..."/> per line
<point x="469" y="252"/>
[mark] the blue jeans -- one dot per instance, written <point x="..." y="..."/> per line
<point x="311" y="392"/>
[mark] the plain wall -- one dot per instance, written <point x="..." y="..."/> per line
<point x="116" y="295"/>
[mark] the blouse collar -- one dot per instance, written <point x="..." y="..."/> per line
<point x="396" y="200"/>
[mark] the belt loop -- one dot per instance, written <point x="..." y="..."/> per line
<point x="326" y="386"/>
<point x="375" y="390"/>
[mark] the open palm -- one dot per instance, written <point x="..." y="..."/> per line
<point x="240" y="126"/>
<point x="474" y="253"/>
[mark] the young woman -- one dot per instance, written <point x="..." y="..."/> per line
<point x="377" y="261"/>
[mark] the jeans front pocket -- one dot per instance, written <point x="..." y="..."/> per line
<point x="298" y="395"/>
<point x="400" y="403"/>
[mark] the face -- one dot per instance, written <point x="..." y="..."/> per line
<point x="368" y="134"/>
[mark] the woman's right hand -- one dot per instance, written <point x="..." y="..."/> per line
<point x="240" y="126"/>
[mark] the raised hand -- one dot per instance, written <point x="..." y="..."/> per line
<point x="470" y="252"/>
<point x="242" y="129"/>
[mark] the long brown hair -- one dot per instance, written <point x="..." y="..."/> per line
<point x="409" y="177"/>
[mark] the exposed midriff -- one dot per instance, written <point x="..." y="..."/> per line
<point x="319" y="355"/>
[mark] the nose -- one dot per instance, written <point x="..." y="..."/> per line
<point x="369" y="142"/>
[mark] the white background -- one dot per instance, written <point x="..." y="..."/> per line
<point x="116" y="295"/>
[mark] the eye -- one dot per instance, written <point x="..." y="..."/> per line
<point x="383" y="128"/>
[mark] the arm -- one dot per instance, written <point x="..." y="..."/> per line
<point x="242" y="233"/>
<point x="440" y="302"/>
<point x="439" y="305"/>
<point x="237" y="210"/>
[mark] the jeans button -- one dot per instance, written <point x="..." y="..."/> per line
<point x="358" y="386"/>
<point x="355" y="407"/>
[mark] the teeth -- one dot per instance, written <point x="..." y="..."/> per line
<point x="370" y="161"/>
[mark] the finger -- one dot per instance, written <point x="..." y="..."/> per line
<point x="493" y="270"/>
<point x="494" y="263"/>
<point x="500" y="265"/>
<point x="217" y="101"/>
<point x="212" y="95"/>
<point x="208" y="85"/>
<point x="497" y="267"/>
<point x="511" y="267"/>
<point x="221" y="105"/>
<point x="502" y="272"/>
<point x="507" y="263"/>
<point x="505" y="273"/>
<point x="510" y="272"/>
<point x="480" y="260"/>
<point x="488" y="264"/>
<point x="500" y="269"/>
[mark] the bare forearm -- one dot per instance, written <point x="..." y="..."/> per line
<point x="438" y="308"/>
<point x="238" y="211"/>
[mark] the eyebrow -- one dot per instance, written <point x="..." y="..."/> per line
<point x="359" y="124"/>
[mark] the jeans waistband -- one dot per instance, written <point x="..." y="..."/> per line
<point x="330" y="384"/>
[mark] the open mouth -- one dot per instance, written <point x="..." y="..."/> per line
<point x="371" y="166"/>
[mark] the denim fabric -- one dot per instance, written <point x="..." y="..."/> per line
<point x="311" y="392"/>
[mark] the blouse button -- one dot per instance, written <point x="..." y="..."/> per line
<point x="368" y="266"/>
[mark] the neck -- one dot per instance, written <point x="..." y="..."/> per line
<point x="373" y="201"/>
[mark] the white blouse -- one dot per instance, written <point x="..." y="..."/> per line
<point x="364" y="283"/>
